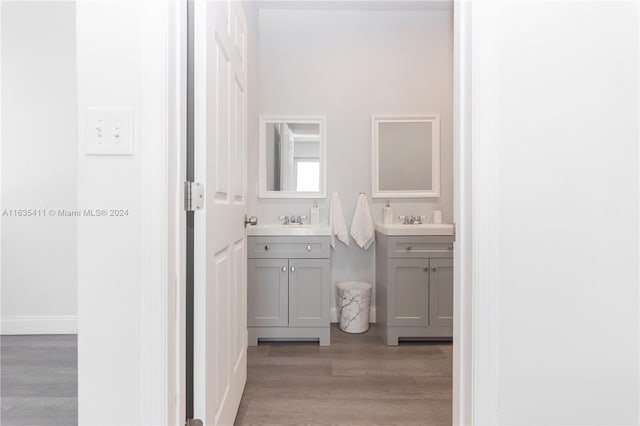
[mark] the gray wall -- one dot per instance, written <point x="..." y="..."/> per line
<point x="370" y="62"/>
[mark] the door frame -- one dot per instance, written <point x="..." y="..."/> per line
<point x="474" y="388"/>
<point x="475" y="359"/>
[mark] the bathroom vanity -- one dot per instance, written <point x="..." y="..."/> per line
<point x="414" y="281"/>
<point x="288" y="283"/>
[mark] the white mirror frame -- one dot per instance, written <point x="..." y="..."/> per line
<point x="262" y="151"/>
<point x="434" y="119"/>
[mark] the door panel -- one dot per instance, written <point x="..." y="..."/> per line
<point x="441" y="293"/>
<point x="308" y="292"/>
<point x="220" y="316"/>
<point x="267" y="287"/>
<point x="239" y="303"/>
<point x="218" y="121"/>
<point x="408" y="292"/>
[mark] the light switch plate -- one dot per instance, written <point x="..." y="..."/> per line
<point x="109" y="131"/>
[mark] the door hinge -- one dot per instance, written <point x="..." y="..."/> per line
<point x="194" y="422"/>
<point x="193" y="196"/>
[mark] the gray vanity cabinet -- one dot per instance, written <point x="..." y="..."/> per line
<point x="308" y="296"/>
<point x="288" y="288"/>
<point x="414" y="286"/>
<point x="441" y="293"/>
<point x="268" y="288"/>
<point x="408" y="292"/>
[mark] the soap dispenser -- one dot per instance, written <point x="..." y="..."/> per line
<point x="315" y="214"/>
<point x="387" y="214"/>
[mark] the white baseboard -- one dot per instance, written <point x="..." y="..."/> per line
<point x="59" y="324"/>
<point x="372" y="314"/>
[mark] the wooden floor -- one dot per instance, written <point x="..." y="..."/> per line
<point x="356" y="381"/>
<point x="38" y="380"/>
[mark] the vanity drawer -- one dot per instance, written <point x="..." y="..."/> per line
<point x="420" y="247"/>
<point x="288" y="247"/>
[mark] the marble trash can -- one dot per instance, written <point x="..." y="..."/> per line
<point x="354" y="300"/>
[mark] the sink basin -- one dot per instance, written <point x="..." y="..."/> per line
<point x="417" y="229"/>
<point x="290" y="230"/>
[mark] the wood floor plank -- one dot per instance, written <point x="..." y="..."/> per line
<point x="353" y="411"/>
<point x="356" y="381"/>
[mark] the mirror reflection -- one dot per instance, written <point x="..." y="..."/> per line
<point x="293" y="157"/>
<point x="405" y="156"/>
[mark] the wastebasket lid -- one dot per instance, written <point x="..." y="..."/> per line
<point x="354" y="285"/>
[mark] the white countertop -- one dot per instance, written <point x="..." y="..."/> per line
<point x="418" y="229"/>
<point x="289" y="230"/>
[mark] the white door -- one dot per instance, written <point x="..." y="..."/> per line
<point x="220" y="296"/>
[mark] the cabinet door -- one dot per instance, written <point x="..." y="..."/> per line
<point x="408" y="292"/>
<point x="267" y="292"/>
<point x="441" y="293"/>
<point x="309" y="292"/>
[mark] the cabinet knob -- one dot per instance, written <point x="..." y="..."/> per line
<point x="284" y="269"/>
<point x="434" y="269"/>
<point x="409" y="247"/>
<point x="450" y="247"/>
<point x="266" y="248"/>
<point x="426" y="268"/>
<point x="292" y="269"/>
<point x="309" y="247"/>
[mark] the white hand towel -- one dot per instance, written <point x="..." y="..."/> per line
<point x="362" y="229"/>
<point x="336" y="222"/>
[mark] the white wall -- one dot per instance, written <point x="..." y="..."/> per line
<point x="349" y="65"/>
<point x="39" y="282"/>
<point x="558" y="118"/>
<point x="123" y="278"/>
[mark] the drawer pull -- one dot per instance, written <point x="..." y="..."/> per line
<point x="292" y="269"/>
<point x="284" y="269"/>
<point x="408" y="247"/>
<point x="266" y="248"/>
<point x="309" y="247"/>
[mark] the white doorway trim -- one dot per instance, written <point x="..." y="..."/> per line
<point x="163" y="117"/>
<point x="474" y="356"/>
<point x="474" y="389"/>
<point x="155" y="192"/>
<point x="462" y="354"/>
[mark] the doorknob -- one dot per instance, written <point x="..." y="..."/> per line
<point x="253" y="221"/>
<point x="292" y="269"/>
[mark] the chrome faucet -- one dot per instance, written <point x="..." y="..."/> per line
<point x="284" y="219"/>
<point x="411" y="220"/>
<point x="292" y="220"/>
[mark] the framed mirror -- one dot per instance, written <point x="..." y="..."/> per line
<point x="292" y="157"/>
<point x="406" y="156"/>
